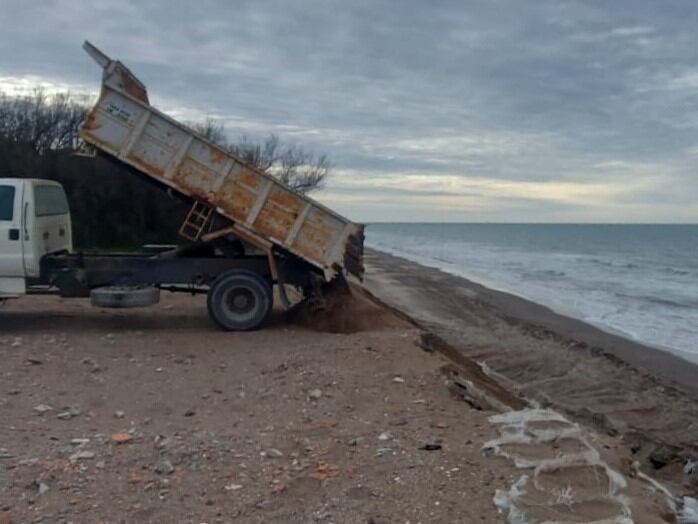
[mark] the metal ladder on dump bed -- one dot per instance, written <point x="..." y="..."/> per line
<point x="197" y="219"/>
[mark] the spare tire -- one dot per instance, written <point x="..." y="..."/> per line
<point x="124" y="296"/>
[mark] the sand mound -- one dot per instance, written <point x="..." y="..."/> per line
<point x="345" y="308"/>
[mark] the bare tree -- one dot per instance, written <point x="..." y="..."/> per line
<point x="294" y="166"/>
<point x="43" y="122"/>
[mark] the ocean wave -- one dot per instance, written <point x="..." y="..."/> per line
<point x="640" y="286"/>
<point x="659" y="300"/>
<point x="674" y="271"/>
<point x="543" y="274"/>
<point x="616" y="264"/>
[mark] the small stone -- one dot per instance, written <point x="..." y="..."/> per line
<point x="189" y="413"/>
<point x="273" y="453"/>
<point x="80" y="441"/>
<point x="82" y="455"/>
<point x="386" y="435"/>
<point x="34" y="361"/>
<point x="100" y="464"/>
<point x="399" y="380"/>
<point x="16" y="342"/>
<point x="315" y="394"/>
<point x="69" y="413"/>
<point x="164" y="467"/>
<point x="42" y="408"/>
<point x="121" y="438"/>
<point x="119" y="414"/>
<point x="233" y="487"/>
<point x="43" y="488"/>
<point x="431" y="446"/>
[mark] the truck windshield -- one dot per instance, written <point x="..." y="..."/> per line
<point x="50" y="200"/>
<point x="7" y="201"/>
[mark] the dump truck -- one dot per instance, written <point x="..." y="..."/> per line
<point x="244" y="234"/>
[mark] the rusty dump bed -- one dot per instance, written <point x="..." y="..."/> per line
<point x="124" y="124"/>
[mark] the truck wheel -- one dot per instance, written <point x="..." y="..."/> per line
<point x="240" y="300"/>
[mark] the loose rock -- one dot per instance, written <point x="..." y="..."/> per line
<point x="42" y="408"/>
<point x="121" y="438"/>
<point x="273" y="453"/>
<point x="82" y="455"/>
<point x="315" y="394"/>
<point x="164" y="467"/>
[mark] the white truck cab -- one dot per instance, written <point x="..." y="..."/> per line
<point x="34" y="222"/>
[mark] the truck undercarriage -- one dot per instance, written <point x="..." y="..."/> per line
<point x="239" y="288"/>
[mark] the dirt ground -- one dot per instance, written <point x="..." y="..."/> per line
<point x="153" y="415"/>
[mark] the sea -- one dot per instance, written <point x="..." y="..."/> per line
<point x="639" y="280"/>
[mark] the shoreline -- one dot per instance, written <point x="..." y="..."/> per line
<point x="666" y="364"/>
<point x="557" y="306"/>
<point x="619" y="387"/>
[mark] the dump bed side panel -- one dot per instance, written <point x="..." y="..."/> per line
<point x="133" y="131"/>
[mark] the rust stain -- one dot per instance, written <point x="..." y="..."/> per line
<point x="354" y="253"/>
<point x="197" y="193"/>
<point x="91" y="122"/>
<point x="235" y="200"/>
<point x="191" y="175"/>
<point x="274" y="220"/>
<point x="149" y="168"/>
<point x="133" y="89"/>
<point x="217" y="157"/>
<point x="313" y="242"/>
<point x="249" y="178"/>
<point x="290" y="202"/>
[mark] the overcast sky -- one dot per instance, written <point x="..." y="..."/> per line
<point x="491" y="110"/>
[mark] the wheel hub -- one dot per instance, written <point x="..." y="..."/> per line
<point x="241" y="301"/>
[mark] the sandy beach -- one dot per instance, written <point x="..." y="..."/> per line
<point x="615" y="385"/>
<point x="361" y="414"/>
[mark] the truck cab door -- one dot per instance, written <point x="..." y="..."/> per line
<point x="11" y="239"/>
<point x="50" y="230"/>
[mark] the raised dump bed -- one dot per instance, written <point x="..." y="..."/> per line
<point x="260" y="209"/>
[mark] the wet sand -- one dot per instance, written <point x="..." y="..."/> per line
<point x="647" y="396"/>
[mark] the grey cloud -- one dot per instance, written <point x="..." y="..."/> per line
<point x="525" y="91"/>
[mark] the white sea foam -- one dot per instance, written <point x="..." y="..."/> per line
<point x="533" y="499"/>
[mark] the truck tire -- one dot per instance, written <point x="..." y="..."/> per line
<point x="124" y="297"/>
<point x="240" y="300"/>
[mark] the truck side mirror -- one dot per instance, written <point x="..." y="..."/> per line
<point x="13" y="234"/>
